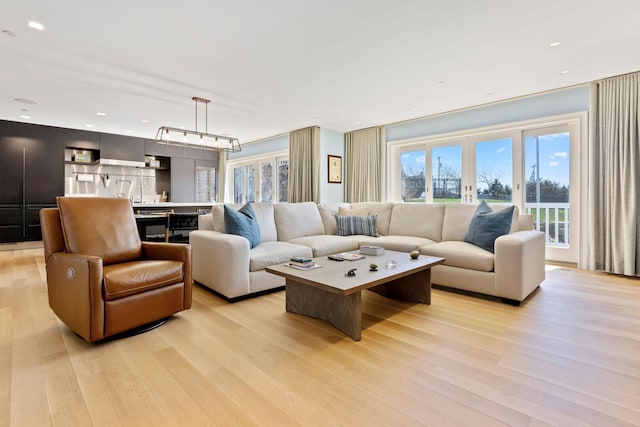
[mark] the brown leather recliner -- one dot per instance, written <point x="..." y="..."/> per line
<point x="102" y="280"/>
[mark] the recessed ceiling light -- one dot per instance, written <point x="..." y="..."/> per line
<point x="8" y="33"/>
<point x="89" y="125"/>
<point x="24" y="109"/>
<point x="563" y="72"/>
<point x="554" y="44"/>
<point x="36" y="25"/>
<point x="415" y="109"/>
<point x="145" y="121"/>
<point x="491" y="92"/>
<point x="442" y="83"/>
<point x="25" y="101"/>
<point x="128" y="131"/>
<point x="24" y="116"/>
<point x="101" y="114"/>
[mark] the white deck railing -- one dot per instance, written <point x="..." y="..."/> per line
<point x="553" y="220"/>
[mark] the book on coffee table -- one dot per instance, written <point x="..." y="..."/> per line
<point x="299" y="267"/>
<point x="350" y="257"/>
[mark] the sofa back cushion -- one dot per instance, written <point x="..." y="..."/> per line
<point x="418" y="220"/>
<point x="380" y="209"/>
<point x="297" y="220"/>
<point x="328" y="216"/>
<point x="457" y="217"/>
<point x="264" y="215"/>
<point x="103" y="227"/>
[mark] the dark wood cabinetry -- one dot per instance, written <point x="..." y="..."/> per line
<point x="122" y="147"/>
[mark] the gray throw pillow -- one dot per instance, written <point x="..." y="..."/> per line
<point x="486" y="226"/>
<point x="242" y="222"/>
<point x="357" y="225"/>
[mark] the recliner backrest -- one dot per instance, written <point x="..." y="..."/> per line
<point x="103" y="227"/>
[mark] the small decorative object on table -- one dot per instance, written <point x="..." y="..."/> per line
<point x="414" y="254"/>
<point x="373" y="267"/>
<point x="391" y="263"/>
<point x="351" y="273"/>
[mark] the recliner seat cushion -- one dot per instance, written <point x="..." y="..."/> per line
<point x="102" y="227"/>
<point x="130" y="278"/>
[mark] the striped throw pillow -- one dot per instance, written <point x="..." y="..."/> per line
<point x="363" y="225"/>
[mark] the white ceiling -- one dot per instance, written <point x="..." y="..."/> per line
<point x="274" y="66"/>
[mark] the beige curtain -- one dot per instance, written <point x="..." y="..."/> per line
<point x="364" y="152"/>
<point x="614" y="176"/>
<point x="222" y="171"/>
<point x="304" y="165"/>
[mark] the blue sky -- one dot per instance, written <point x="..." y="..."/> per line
<point x="495" y="156"/>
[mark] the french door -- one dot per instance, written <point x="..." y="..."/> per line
<point x="260" y="180"/>
<point x="459" y="171"/>
<point x="536" y="169"/>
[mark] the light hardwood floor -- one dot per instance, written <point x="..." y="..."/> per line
<point x="570" y="356"/>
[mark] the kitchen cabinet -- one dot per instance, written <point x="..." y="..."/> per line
<point x="44" y="172"/>
<point x="183" y="188"/>
<point x="11" y="170"/>
<point x="121" y="147"/>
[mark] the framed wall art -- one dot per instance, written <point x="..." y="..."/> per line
<point x="335" y="169"/>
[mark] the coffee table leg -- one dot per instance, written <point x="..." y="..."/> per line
<point x="342" y="311"/>
<point x="415" y="288"/>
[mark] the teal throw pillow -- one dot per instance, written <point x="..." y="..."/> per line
<point x="363" y="225"/>
<point x="486" y="226"/>
<point x="242" y="222"/>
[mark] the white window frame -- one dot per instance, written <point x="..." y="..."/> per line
<point x="255" y="161"/>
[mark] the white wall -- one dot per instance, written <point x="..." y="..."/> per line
<point x="331" y="142"/>
<point x="265" y="146"/>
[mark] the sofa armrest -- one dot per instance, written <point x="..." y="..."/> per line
<point x="220" y="261"/>
<point x="519" y="264"/>
<point x="175" y="252"/>
<point x="74" y="284"/>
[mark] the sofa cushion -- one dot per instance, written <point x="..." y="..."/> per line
<point x="130" y="278"/>
<point x="417" y="219"/>
<point x="381" y="209"/>
<point x="397" y="243"/>
<point x="328" y="216"/>
<point x="353" y="211"/>
<point x="351" y="225"/>
<point x="217" y="213"/>
<point x="271" y="253"/>
<point x="486" y="226"/>
<point x="322" y="245"/>
<point x="297" y="220"/>
<point x="266" y="221"/>
<point x="461" y="254"/>
<point x="243" y="223"/>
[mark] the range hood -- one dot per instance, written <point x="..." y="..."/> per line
<point x="118" y="162"/>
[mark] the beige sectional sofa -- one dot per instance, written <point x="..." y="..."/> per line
<point x="225" y="263"/>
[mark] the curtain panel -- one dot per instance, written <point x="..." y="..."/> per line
<point x="304" y="165"/>
<point x="364" y="151"/>
<point x="614" y="176"/>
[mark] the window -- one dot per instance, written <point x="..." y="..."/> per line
<point x="529" y="164"/>
<point x="254" y="180"/>
<point x="205" y="184"/>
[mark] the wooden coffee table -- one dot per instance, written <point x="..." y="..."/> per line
<point x="326" y="293"/>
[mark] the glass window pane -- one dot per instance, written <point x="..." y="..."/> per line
<point x="283" y="180"/>
<point x="250" y="181"/>
<point x="494" y="170"/>
<point x="547" y="185"/>
<point x="412" y="177"/>
<point x="237" y="185"/>
<point x="205" y="184"/>
<point x="266" y="182"/>
<point x="446" y="173"/>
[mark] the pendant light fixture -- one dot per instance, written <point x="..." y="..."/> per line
<point x="197" y="138"/>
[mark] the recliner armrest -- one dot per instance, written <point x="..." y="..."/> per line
<point x="175" y="252"/>
<point x="74" y="283"/>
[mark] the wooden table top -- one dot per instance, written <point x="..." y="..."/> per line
<point x="331" y="276"/>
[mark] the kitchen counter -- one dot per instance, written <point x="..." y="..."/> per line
<point x="172" y="205"/>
